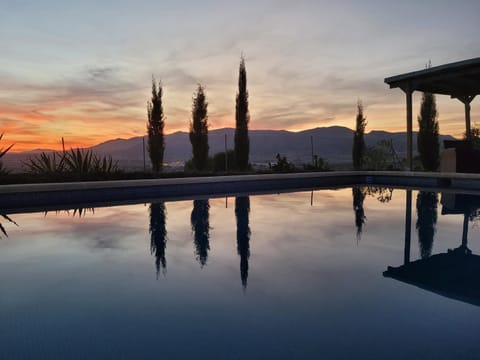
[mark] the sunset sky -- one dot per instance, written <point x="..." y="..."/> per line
<point x="82" y="69"/>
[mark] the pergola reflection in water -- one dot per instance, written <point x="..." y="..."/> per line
<point x="454" y="274"/>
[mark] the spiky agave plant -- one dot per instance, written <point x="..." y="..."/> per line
<point x="2" y="153"/>
<point x="47" y="164"/>
<point x="104" y="165"/>
<point x="79" y="161"/>
<point x="2" y="228"/>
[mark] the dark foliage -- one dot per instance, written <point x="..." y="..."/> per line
<point x="242" y="210"/>
<point x="201" y="229"/>
<point x="155" y="126"/>
<point x="359" y="147"/>
<point x="158" y="235"/>
<point x="242" y="118"/>
<point x="360" y="218"/>
<point x="219" y="161"/>
<point x="282" y="165"/>
<point x="199" y="130"/>
<point x="3" y="171"/>
<point x="427" y="141"/>
<point x="426" y="221"/>
<point x="2" y="228"/>
<point x="319" y="164"/>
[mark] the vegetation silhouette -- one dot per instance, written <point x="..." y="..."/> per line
<point x="282" y="165"/>
<point x="427" y="140"/>
<point x="2" y="228"/>
<point x="80" y="211"/>
<point x="383" y="156"/>
<point x="359" y="194"/>
<point x="3" y="170"/>
<point x="199" y="130"/>
<point x="242" y="211"/>
<point x="158" y="235"/>
<point x="201" y="229"/>
<point x="381" y="193"/>
<point x="155" y="126"/>
<point x="75" y="161"/>
<point x="242" y="118"/>
<point x="359" y="147"/>
<point x="426" y="221"/>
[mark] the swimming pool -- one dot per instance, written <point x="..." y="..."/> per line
<point x="293" y="275"/>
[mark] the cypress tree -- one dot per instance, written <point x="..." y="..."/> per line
<point x="199" y="130"/>
<point x="427" y="141"/>
<point x="155" y="125"/>
<point x="242" y="118"/>
<point x="359" y="147"/>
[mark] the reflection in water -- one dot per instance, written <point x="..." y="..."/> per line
<point x="2" y="228"/>
<point x="242" y="210"/>
<point x="426" y="221"/>
<point x="81" y="212"/>
<point x="381" y="193"/>
<point x="158" y="235"/>
<point x="201" y="229"/>
<point x="453" y="274"/>
<point x="358" y="198"/>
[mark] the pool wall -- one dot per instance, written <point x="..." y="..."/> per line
<point x="25" y="196"/>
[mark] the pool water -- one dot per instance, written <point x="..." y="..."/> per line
<point x="281" y="276"/>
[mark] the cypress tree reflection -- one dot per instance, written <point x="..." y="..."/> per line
<point x="201" y="229"/>
<point x="158" y="235"/>
<point x="242" y="210"/>
<point x="358" y="198"/>
<point x="426" y="221"/>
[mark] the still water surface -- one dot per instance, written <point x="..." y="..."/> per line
<point x="282" y="276"/>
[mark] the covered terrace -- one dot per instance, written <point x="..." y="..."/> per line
<point x="460" y="80"/>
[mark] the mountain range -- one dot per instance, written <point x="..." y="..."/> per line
<point x="333" y="144"/>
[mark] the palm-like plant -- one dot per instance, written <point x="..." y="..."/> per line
<point x="46" y="164"/>
<point x="75" y="161"/>
<point x="79" y="161"/>
<point x="2" y="153"/>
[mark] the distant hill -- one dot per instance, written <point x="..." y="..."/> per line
<point x="331" y="143"/>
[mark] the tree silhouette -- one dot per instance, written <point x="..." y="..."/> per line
<point x="242" y="118"/>
<point x="427" y="140"/>
<point x="426" y="221"/>
<point x="242" y="210"/>
<point x="158" y="235"/>
<point x="358" y="198"/>
<point x="199" y="130"/>
<point x="201" y="229"/>
<point x="155" y="125"/>
<point x="359" y="147"/>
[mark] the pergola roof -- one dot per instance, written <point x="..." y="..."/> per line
<point x="458" y="79"/>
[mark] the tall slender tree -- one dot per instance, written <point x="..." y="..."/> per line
<point x="427" y="141"/>
<point x="359" y="147"/>
<point x="155" y="126"/>
<point x="242" y="118"/>
<point x="199" y="130"/>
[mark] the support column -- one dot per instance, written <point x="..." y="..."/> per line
<point x="466" y="100"/>
<point x="408" y="92"/>
<point x="465" y="231"/>
<point x="408" y="227"/>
